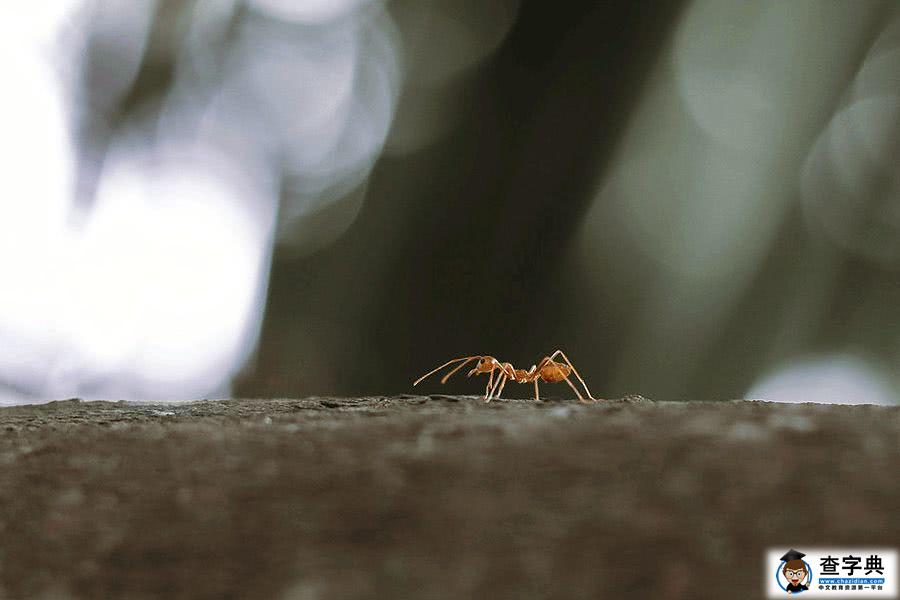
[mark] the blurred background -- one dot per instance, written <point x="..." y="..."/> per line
<point x="277" y="198"/>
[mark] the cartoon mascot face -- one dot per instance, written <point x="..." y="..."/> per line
<point x="795" y="571"/>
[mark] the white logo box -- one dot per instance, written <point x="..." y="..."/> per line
<point x="829" y="585"/>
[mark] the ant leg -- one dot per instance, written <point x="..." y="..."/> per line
<point x="502" y="381"/>
<point x="537" y="396"/>
<point x="467" y="359"/>
<point x="574" y="389"/>
<point x="487" y="390"/>
<point x="492" y="387"/>
<point x="569" y="362"/>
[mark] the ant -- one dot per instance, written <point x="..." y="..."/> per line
<point x="548" y="371"/>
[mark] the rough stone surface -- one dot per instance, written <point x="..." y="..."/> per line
<point x="433" y="497"/>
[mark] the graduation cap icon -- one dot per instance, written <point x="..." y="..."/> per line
<point x="792" y="555"/>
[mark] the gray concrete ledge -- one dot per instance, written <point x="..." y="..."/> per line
<point x="432" y="496"/>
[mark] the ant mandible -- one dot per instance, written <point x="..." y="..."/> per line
<point x="548" y="371"/>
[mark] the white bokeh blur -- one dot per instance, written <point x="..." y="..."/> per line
<point x="306" y="11"/>
<point x="153" y="286"/>
<point x="843" y="378"/>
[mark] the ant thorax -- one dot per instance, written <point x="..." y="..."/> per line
<point x="521" y="375"/>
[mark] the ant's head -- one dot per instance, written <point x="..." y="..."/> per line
<point x="485" y="364"/>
